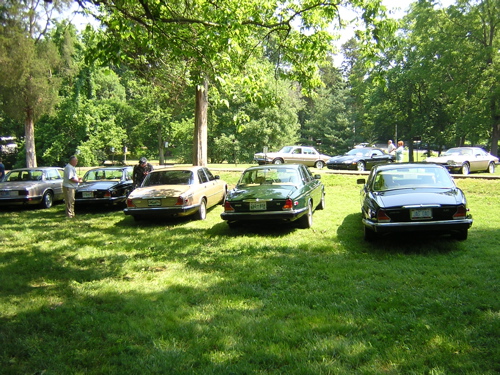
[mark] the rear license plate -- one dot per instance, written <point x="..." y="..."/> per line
<point x="154" y="202"/>
<point x="421" y="213"/>
<point x="257" y="206"/>
<point x="87" y="194"/>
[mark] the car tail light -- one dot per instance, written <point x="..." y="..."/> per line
<point x="107" y="194"/>
<point x="228" y="207"/>
<point x="288" y="204"/>
<point x="382" y="217"/>
<point x="130" y="203"/>
<point x="183" y="201"/>
<point x="461" y="213"/>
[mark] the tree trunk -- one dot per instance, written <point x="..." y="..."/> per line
<point x="495" y="137"/>
<point x="201" y="125"/>
<point x="29" y="134"/>
<point x="160" y="145"/>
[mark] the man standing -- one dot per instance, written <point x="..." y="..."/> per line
<point x="70" y="183"/>
<point x="140" y="172"/>
<point x="2" y="170"/>
<point x="390" y="147"/>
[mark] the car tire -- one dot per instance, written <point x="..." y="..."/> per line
<point x="361" y="166"/>
<point x="322" y="203"/>
<point x="465" y="169"/>
<point x="201" y="214"/>
<point x="306" y="221"/>
<point x="319" y="164"/>
<point x="462" y="235"/>
<point x="491" y="167"/>
<point x="278" y="161"/>
<point x="47" y="200"/>
<point x="369" y="235"/>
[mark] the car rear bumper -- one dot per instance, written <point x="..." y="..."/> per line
<point x="271" y="215"/>
<point x="162" y="211"/>
<point x="445" y="225"/>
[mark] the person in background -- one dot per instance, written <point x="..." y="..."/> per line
<point x="140" y="172"/>
<point x="2" y="170"/>
<point x="70" y="183"/>
<point x="399" y="152"/>
<point x="390" y="147"/>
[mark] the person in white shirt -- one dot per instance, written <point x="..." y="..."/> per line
<point x="390" y="147"/>
<point x="399" y="152"/>
<point x="70" y="183"/>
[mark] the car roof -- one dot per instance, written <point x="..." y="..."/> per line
<point x="34" y="169"/>
<point x="192" y="168"/>
<point x="108" y="167"/>
<point x="275" y="166"/>
<point x="391" y="166"/>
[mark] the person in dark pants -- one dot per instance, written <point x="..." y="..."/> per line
<point x="140" y="172"/>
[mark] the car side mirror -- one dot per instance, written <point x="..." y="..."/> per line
<point x="317" y="177"/>
<point x="217" y="177"/>
<point x="361" y="181"/>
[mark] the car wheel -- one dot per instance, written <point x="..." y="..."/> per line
<point x="361" y="166"/>
<point x="201" y="214"/>
<point x="47" y="200"/>
<point x="465" y="169"/>
<point x="306" y="220"/>
<point x="462" y="235"/>
<point x="369" y="235"/>
<point x="320" y="164"/>
<point x="322" y="204"/>
<point x="491" y="167"/>
<point x="278" y="161"/>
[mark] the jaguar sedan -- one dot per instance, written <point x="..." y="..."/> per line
<point x="360" y="158"/>
<point x="305" y="155"/>
<point x="465" y="160"/>
<point x="32" y="186"/>
<point x="176" y="191"/>
<point x="275" y="193"/>
<point x="105" y="186"/>
<point x="413" y="197"/>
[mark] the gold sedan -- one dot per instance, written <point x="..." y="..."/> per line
<point x="176" y="191"/>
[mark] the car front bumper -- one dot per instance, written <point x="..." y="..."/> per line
<point x="111" y="200"/>
<point x="21" y="201"/>
<point x="419" y="226"/>
<point x="342" y="166"/>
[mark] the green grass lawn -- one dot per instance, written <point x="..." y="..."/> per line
<point x="101" y="294"/>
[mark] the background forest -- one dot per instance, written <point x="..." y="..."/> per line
<point x="127" y="84"/>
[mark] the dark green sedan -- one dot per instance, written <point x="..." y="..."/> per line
<point x="287" y="192"/>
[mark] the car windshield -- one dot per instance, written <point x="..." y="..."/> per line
<point x="457" y="151"/>
<point x="35" y="175"/>
<point x="359" y="152"/>
<point x="103" y="174"/>
<point x="286" y="150"/>
<point x="169" y="178"/>
<point x="422" y="177"/>
<point x="282" y="176"/>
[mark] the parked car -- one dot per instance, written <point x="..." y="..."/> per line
<point x="406" y="197"/>
<point x="176" y="191"/>
<point x="275" y="193"/>
<point x="465" y="160"/>
<point x="363" y="158"/>
<point x="105" y="186"/>
<point x="32" y="186"/>
<point x="306" y="155"/>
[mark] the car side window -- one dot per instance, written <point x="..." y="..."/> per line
<point x="52" y="174"/>
<point x="305" y="174"/>
<point x="209" y="174"/>
<point x="202" y="176"/>
<point x="297" y="151"/>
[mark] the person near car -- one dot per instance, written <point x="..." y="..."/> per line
<point x="140" y="171"/>
<point x="70" y="183"/>
<point x="399" y="152"/>
<point x="2" y="170"/>
<point x="390" y="147"/>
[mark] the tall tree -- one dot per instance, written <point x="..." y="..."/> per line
<point x="220" y="36"/>
<point x="28" y="63"/>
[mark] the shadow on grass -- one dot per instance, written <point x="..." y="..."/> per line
<point x="350" y="232"/>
